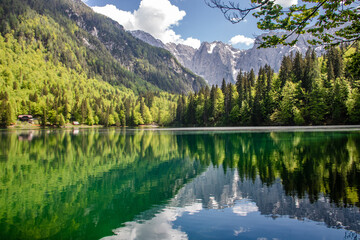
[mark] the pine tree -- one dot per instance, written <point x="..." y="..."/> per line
<point x="223" y="86"/>
<point x="338" y="108"/>
<point x="337" y="63"/>
<point x="310" y="70"/>
<point x="180" y="110"/>
<point x="240" y="87"/>
<point x="207" y="106"/>
<point x="268" y="107"/>
<point x="227" y="102"/>
<point x="257" y="114"/>
<point x="330" y="75"/>
<point x="211" y="105"/>
<point x="252" y="78"/>
<point x="191" y="110"/>
<point x="298" y="67"/>
<point x="285" y="73"/>
<point x="200" y="108"/>
<point x="317" y="107"/>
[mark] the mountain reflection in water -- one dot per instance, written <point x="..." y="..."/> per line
<point x="240" y="199"/>
<point x="179" y="185"/>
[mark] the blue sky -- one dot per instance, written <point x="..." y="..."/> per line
<point x="188" y="22"/>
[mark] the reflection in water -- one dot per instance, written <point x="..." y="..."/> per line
<point x="243" y="203"/>
<point x="27" y="136"/>
<point x="84" y="184"/>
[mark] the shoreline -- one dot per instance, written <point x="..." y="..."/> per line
<point x="199" y="129"/>
<point x="264" y="128"/>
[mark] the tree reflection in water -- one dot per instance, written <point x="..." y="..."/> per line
<point x="58" y="184"/>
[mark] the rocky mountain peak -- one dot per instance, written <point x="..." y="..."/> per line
<point x="217" y="60"/>
<point x="148" y="38"/>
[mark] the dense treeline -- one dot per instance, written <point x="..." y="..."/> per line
<point x="307" y="91"/>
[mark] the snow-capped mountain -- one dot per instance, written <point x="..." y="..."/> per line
<point x="217" y="60"/>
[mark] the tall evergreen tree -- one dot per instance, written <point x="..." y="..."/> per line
<point x="257" y="114"/>
<point x="298" y="67"/>
<point x="190" y="110"/>
<point x="338" y="108"/>
<point x="223" y="86"/>
<point x="240" y="79"/>
<point x="310" y="70"/>
<point x="285" y="73"/>
<point x="180" y="110"/>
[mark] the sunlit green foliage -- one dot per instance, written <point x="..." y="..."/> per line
<point x="88" y="42"/>
<point x="56" y="70"/>
<point x="331" y="22"/>
<point x="57" y="94"/>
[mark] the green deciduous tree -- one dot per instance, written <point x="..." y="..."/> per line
<point x="352" y="66"/>
<point x="353" y="106"/>
<point x="288" y="105"/>
<point x="310" y="16"/>
<point x="218" y="103"/>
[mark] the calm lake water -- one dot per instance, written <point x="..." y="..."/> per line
<point x="146" y="184"/>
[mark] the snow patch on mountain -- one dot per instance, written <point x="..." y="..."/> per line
<point x="212" y="46"/>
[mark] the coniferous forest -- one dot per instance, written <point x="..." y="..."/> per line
<point x="57" y="72"/>
<point x="308" y="90"/>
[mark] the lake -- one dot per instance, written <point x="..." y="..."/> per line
<point x="114" y="184"/>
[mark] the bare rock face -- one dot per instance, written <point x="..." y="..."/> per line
<point x="148" y="38"/>
<point x="217" y="60"/>
<point x="183" y="53"/>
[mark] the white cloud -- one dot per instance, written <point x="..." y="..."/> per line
<point x="286" y="3"/>
<point x="156" y="17"/>
<point x="241" y="230"/>
<point x="241" y="39"/>
<point x="193" y="42"/>
<point x="124" y="18"/>
<point x="244" y="207"/>
<point x="159" y="227"/>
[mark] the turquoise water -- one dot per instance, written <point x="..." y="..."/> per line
<point x="149" y="184"/>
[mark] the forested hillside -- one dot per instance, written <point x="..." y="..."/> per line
<point x="307" y="91"/>
<point x="59" y="62"/>
<point x="76" y="36"/>
<point x="55" y="94"/>
<point x="54" y="69"/>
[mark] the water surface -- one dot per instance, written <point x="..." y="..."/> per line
<point x="170" y="184"/>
